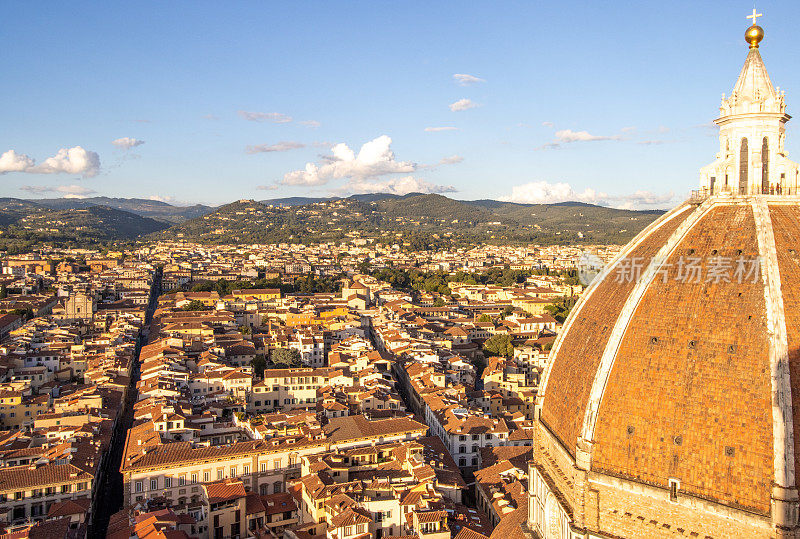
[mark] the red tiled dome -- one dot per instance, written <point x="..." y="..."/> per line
<point x="696" y="379"/>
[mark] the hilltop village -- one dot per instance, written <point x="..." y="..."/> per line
<point x="341" y="390"/>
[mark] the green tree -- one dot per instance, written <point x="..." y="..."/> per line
<point x="561" y="308"/>
<point x="259" y="363"/>
<point x="284" y="358"/>
<point x="499" y="345"/>
<point x="26" y="314"/>
<point x="204" y="286"/>
<point x="484" y="318"/>
<point x="364" y="266"/>
<point x="195" y="305"/>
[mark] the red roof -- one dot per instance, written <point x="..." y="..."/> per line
<point x="221" y="491"/>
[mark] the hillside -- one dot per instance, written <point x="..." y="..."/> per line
<point x="154" y="209"/>
<point x="435" y="218"/>
<point x="24" y="224"/>
<point x="301" y="201"/>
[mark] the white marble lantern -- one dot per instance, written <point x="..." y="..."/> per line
<point x="752" y="123"/>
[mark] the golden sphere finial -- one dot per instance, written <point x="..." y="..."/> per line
<point x="754" y="35"/>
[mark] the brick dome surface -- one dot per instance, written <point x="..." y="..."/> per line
<point x="665" y="376"/>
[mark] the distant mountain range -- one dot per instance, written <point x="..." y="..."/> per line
<point x="146" y="208"/>
<point x="424" y="220"/>
<point x="24" y="224"/>
<point x="302" y="201"/>
<point x="418" y="220"/>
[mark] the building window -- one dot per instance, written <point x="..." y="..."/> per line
<point x="674" y="487"/>
<point x="194" y="478"/>
<point x="139" y="486"/>
<point x="153" y="484"/>
<point x="206" y="477"/>
<point x="744" y="156"/>
<point x="765" y="186"/>
<point x="245" y="469"/>
<point x="181" y="480"/>
<point x="233" y="471"/>
<point x="167" y="482"/>
<point x="220" y="474"/>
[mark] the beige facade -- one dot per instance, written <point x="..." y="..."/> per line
<point x="27" y="492"/>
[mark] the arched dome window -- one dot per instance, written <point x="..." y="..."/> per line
<point x="743" y="158"/>
<point x="765" y="166"/>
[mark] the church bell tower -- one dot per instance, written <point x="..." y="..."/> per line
<point x="752" y="125"/>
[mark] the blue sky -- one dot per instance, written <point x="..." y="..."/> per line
<point x="211" y="102"/>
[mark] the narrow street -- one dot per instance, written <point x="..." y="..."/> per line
<point x="110" y="493"/>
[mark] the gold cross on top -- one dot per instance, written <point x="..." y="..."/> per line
<point x="754" y="16"/>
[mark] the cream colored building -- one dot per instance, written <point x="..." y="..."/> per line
<point x="27" y="492"/>
<point x="177" y="470"/>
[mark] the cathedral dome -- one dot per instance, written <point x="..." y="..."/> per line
<point x="680" y="360"/>
<point x="671" y="401"/>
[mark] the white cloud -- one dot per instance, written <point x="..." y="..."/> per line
<point x="548" y="124"/>
<point x="462" y="79"/>
<point x="395" y="186"/>
<point x="374" y="159"/>
<point x="283" y="146"/>
<point x="643" y="199"/>
<point x="550" y="193"/>
<point x="12" y="161"/>
<point x="568" y="136"/>
<point x="127" y="143"/>
<point x="69" y="191"/>
<point x="158" y="198"/>
<point x="68" y="160"/>
<point x="437" y="129"/>
<point x="654" y="142"/>
<point x="275" y="117"/>
<point x="310" y="123"/>
<point x="266" y="187"/>
<point x="452" y="160"/>
<point x="463" y="104"/>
